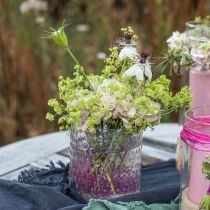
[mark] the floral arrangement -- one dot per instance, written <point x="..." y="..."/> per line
<point x="107" y="114"/>
<point x="124" y="95"/>
<point x="185" y="52"/>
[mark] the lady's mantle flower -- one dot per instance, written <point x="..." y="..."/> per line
<point x="59" y="36"/>
<point x="176" y="40"/>
<point x="128" y="51"/>
<point x="139" y="70"/>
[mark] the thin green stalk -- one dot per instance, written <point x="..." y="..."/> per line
<point x="122" y="70"/>
<point x="74" y="58"/>
<point x="111" y="183"/>
<point x="167" y="111"/>
<point x="80" y="69"/>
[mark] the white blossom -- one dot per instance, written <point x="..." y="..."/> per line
<point x="131" y="112"/>
<point x="36" y="5"/>
<point x="176" y="40"/>
<point x="105" y="86"/>
<point x="101" y="55"/>
<point x="109" y="101"/>
<point x="40" y="19"/>
<point x="201" y="56"/>
<point x="82" y="27"/>
<point x="128" y="51"/>
<point x="139" y="70"/>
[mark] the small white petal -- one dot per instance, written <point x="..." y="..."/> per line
<point x="82" y="27"/>
<point x="140" y="74"/>
<point x="109" y="115"/>
<point x="126" y="123"/>
<point x="128" y="52"/>
<point x="148" y="71"/>
<point x="176" y="40"/>
<point x="131" y="112"/>
<point x="135" y="70"/>
<point x="101" y="55"/>
<point x="131" y="71"/>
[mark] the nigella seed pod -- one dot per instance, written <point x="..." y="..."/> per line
<point x="59" y="36"/>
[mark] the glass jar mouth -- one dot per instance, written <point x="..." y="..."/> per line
<point x="194" y="24"/>
<point x="198" y="120"/>
<point x="200" y="112"/>
<point x="196" y="129"/>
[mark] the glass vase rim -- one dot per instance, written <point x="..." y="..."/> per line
<point x="193" y="119"/>
<point x="111" y="129"/>
<point x="193" y="24"/>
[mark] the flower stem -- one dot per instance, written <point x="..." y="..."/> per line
<point x="167" y="111"/>
<point x="122" y="70"/>
<point x="111" y="184"/>
<point x="80" y="69"/>
<point x="72" y="55"/>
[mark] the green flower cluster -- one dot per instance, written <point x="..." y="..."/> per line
<point x="159" y="91"/>
<point x="179" y="58"/>
<point x="115" y="99"/>
<point x="204" y="21"/>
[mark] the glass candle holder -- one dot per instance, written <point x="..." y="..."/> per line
<point x="198" y="31"/>
<point x="106" y="164"/>
<point x="196" y="137"/>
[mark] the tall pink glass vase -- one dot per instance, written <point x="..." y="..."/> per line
<point x="200" y="89"/>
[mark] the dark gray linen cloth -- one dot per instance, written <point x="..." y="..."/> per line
<point x="49" y="189"/>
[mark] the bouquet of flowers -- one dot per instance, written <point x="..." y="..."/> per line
<point x="189" y="49"/>
<point x="107" y="113"/>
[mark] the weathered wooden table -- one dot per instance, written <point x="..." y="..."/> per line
<point x="37" y="152"/>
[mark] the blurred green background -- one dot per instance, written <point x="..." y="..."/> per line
<point x="30" y="65"/>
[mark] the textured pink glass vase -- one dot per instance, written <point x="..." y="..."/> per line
<point x="200" y="89"/>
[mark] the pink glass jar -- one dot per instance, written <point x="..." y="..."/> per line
<point x="200" y="88"/>
<point x="196" y="137"/>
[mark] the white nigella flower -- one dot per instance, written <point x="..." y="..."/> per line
<point x="139" y="70"/>
<point x="128" y="51"/>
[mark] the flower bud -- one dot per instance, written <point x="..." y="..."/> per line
<point x="59" y="36"/>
